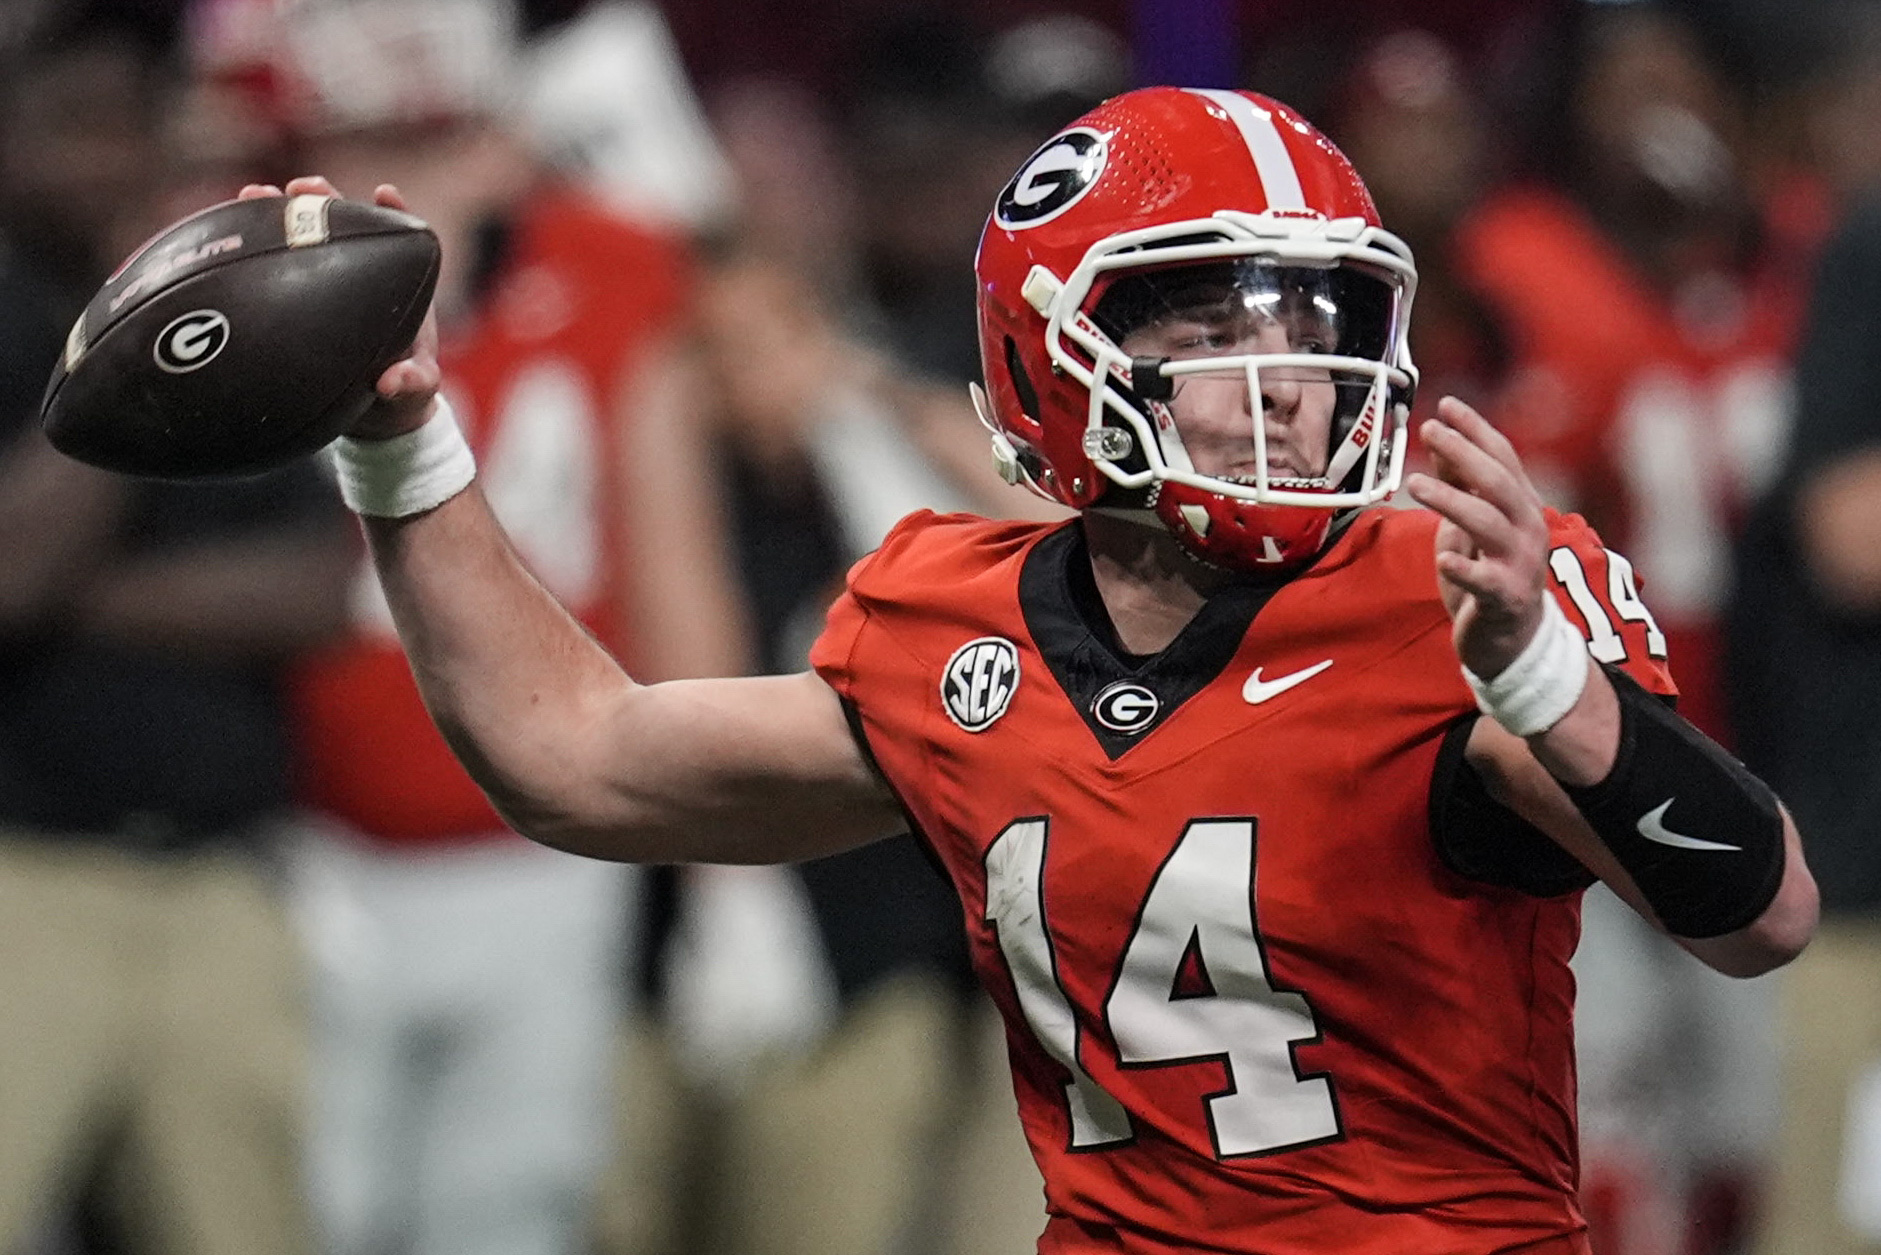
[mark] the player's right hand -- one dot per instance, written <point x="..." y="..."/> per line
<point x="410" y="385"/>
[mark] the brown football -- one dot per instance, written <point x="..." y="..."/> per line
<point x="241" y="338"/>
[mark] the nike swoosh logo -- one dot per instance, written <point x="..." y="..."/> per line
<point x="1257" y="690"/>
<point x="1652" y="827"/>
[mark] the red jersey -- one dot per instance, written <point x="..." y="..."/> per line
<point x="1659" y="417"/>
<point x="1248" y="1006"/>
<point x="533" y="378"/>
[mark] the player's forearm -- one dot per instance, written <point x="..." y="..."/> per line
<point x="511" y="678"/>
<point x="1580" y="748"/>
<point x="1674" y="823"/>
<point x="1773" y="937"/>
<point x="578" y="756"/>
<point x="1780" y="933"/>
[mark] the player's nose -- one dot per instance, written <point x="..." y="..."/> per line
<point x="1280" y="395"/>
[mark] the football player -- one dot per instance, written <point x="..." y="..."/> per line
<point x="1268" y="810"/>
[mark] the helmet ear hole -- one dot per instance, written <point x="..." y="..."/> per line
<point x="1021" y="382"/>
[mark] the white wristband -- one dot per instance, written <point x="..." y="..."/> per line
<point x="1531" y="694"/>
<point x="407" y="474"/>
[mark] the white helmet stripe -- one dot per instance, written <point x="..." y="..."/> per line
<point x="1279" y="179"/>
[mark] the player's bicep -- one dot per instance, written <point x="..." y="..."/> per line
<point x="1482" y="839"/>
<point x="748" y="770"/>
<point x="1512" y="777"/>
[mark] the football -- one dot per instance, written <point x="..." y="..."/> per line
<point x="243" y="337"/>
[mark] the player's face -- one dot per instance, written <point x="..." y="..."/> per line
<point x="1215" y="411"/>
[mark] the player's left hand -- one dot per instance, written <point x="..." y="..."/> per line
<point x="1492" y="545"/>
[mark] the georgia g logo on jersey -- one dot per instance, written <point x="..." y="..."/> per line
<point x="192" y="341"/>
<point x="1052" y="179"/>
<point x="1126" y="707"/>
<point x="979" y="681"/>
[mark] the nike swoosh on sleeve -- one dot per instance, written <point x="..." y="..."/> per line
<point x="1652" y="827"/>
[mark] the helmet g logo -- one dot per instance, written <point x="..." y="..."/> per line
<point x="1053" y="179"/>
<point x="979" y="682"/>
<point x="192" y="341"/>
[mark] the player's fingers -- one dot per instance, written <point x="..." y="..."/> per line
<point x="1483" y="433"/>
<point x="1465" y="463"/>
<point x="1487" y="525"/>
<point x="1453" y="539"/>
<point x="411" y="376"/>
<point x="256" y="191"/>
<point x="388" y="195"/>
<point x="1490" y="438"/>
<point x="1483" y="578"/>
<point x="311" y="185"/>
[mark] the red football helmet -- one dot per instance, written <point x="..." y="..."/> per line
<point x="1229" y="211"/>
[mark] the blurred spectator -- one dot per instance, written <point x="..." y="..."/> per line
<point x="841" y="1122"/>
<point x="154" y="1036"/>
<point x="1652" y="310"/>
<point x="939" y="115"/>
<point x="1809" y="622"/>
<point x="1411" y="119"/>
<point x="467" y="980"/>
<point x="609" y="105"/>
<point x="1651" y="305"/>
<point x="827" y="1097"/>
<point x="1806" y="671"/>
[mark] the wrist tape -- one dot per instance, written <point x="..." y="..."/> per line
<point x="407" y="474"/>
<point x="1531" y="694"/>
<point x="1700" y="835"/>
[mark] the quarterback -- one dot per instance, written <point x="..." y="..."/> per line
<point x="1269" y="805"/>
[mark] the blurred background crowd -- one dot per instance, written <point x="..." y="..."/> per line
<point x="272" y="976"/>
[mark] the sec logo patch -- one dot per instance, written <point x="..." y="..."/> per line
<point x="979" y="681"/>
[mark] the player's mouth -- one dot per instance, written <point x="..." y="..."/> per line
<point x="1281" y="473"/>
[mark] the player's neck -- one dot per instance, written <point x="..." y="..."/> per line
<point x="1149" y="587"/>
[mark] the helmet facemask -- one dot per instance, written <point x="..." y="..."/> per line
<point x="1288" y="332"/>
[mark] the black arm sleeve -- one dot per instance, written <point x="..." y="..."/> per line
<point x="1700" y="835"/>
<point x="1482" y="840"/>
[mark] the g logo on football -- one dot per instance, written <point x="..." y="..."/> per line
<point x="1052" y="179"/>
<point x="1126" y="707"/>
<point x="192" y="341"/>
<point x="979" y="681"/>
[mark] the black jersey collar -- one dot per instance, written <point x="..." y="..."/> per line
<point x="1123" y="697"/>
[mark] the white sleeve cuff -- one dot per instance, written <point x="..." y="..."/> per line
<point x="408" y="474"/>
<point x="1534" y="692"/>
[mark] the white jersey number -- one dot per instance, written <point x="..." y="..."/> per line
<point x="1193" y="986"/>
<point x="1603" y="641"/>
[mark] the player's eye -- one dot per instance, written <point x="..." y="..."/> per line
<point x="1214" y="338"/>
<point x="1198" y="338"/>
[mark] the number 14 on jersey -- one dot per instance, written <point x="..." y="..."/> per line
<point x="1192" y="986"/>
